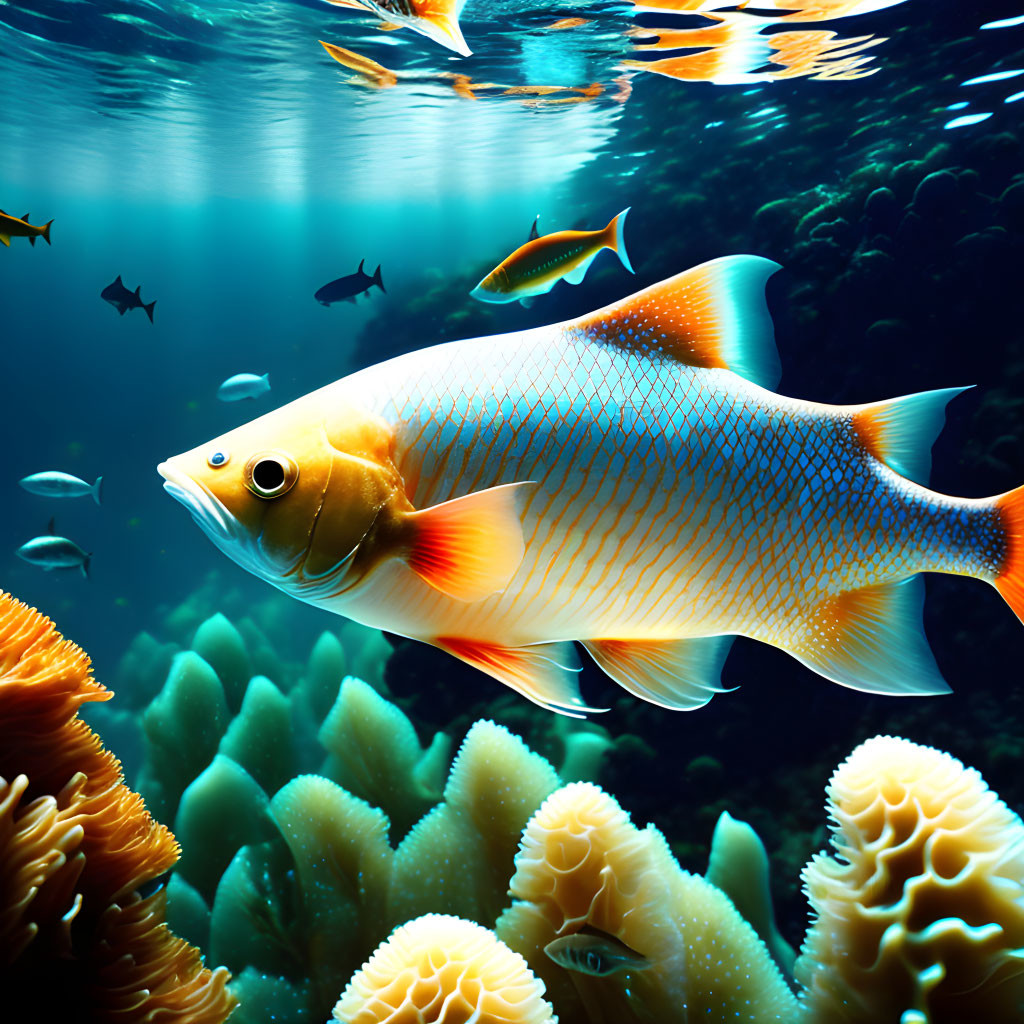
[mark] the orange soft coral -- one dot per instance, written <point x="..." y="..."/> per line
<point x="75" y="845"/>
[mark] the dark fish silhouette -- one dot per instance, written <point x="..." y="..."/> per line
<point x="348" y="287"/>
<point x="122" y="300"/>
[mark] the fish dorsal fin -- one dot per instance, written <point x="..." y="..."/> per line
<point x="675" y="674"/>
<point x="138" y="293"/>
<point x="543" y="673"/>
<point x="119" y="281"/>
<point x="359" y="269"/>
<point x="871" y="640"/>
<point x="901" y="431"/>
<point x="713" y="315"/>
<point x="26" y="217"/>
<point x="534" y="233"/>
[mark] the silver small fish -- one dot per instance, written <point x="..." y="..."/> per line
<point x="594" y="952"/>
<point x="243" y="385"/>
<point x="50" y="551"/>
<point x="54" y="484"/>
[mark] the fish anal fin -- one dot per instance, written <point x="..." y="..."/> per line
<point x="469" y="547"/>
<point x="543" y="673"/>
<point x="676" y="674"/>
<point x="576" y="275"/>
<point x="901" y="431"/>
<point x="872" y="640"/>
<point x="713" y="315"/>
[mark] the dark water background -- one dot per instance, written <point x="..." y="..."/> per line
<point x="217" y="156"/>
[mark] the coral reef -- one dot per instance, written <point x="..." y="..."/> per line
<point x="76" y="845"/>
<point x="920" y="912"/>
<point x="439" y="969"/>
<point x="583" y="866"/>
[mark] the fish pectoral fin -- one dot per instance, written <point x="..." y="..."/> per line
<point x="469" y="547"/>
<point x="901" y="431"/>
<point x="6" y="239"/>
<point x="543" y="673"/>
<point x="677" y="674"/>
<point x="527" y="301"/>
<point x="872" y="640"/>
<point x="576" y="275"/>
<point x="713" y="315"/>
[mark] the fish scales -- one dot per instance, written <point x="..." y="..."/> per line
<point x="626" y="480"/>
<point x="706" y="528"/>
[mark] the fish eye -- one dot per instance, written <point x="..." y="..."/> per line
<point x="217" y="459"/>
<point x="270" y="474"/>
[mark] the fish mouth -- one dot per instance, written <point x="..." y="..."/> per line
<point x="206" y="509"/>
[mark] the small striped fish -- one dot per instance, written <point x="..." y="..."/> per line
<point x="626" y="480"/>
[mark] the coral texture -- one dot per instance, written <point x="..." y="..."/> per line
<point x="439" y="969"/>
<point x="75" y="846"/>
<point x="921" y="911"/>
<point x="583" y="866"/>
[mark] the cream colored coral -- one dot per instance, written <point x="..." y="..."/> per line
<point x="439" y="969"/>
<point x="921" y="911"/>
<point x="583" y="865"/>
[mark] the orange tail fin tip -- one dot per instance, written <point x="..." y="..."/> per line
<point x="1010" y="582"/>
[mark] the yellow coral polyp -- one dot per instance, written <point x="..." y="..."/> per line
<point x="921" y="912"/>
<point x="583" y="867"/>
<point x="439" y="969"/>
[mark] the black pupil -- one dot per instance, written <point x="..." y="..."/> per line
<point x="268" y="475"/>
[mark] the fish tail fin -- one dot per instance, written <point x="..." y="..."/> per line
<point x="149" y="309"/>
<point x="85" y="565"/>
<point x="97" y="490"/>
<point x="377" y="281"/>
<point x="616" y="240"/>
<point x="900" y="432"/>
<point x="1010" y="580"/>
<point x="46" y="231"/>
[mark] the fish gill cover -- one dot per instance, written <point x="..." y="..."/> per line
<point x="232" y="160"/>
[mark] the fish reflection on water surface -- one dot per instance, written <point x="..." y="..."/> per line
<point x="625" y="480"/>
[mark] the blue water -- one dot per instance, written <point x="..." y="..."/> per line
<point x="215" y="155"/>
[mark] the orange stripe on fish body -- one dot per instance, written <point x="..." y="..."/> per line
<point x="666" y="502"/>
<point x="538" y="265"/>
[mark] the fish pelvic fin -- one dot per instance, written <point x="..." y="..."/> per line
<point x="616" y="241"/>
<point x="676" y="674"/>
<point x="713" y="315"/>
<point x="543" y="673"/>
<point x="469" y="547"/>
<point x="900" y="432"/>
<point x="148" y="307"/>
<point x="1010" y="581"/>
<point x="872" y="640"/>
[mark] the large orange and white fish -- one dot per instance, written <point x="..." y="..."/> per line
<point x="544" y="260"/>
<point x="627" y="481"/>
